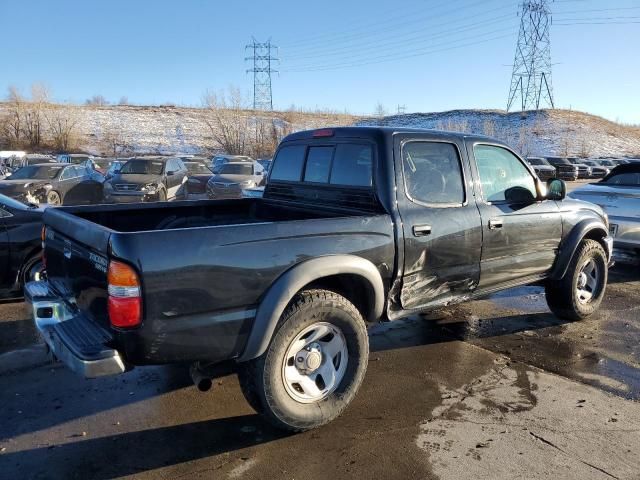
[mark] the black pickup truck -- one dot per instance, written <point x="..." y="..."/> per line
<point x="356" y="225"/>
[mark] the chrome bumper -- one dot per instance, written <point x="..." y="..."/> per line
<point x="53" y="318"/>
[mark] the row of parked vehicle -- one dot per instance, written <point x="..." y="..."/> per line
<point x="81" y="179"/>
<point x="574" y="168"/>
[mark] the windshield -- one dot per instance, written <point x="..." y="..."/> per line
<point x="78" y="160"/>
<point x="236" y="169"/>
<point x="142" y="167"/>
<point x="562" y="161"/>
<point x="628" y="179"/>
<point x="35" y="161"/>
<point x="36" y="172"/>
<point x="195" y="168"/>
<point x="535" y="161"/>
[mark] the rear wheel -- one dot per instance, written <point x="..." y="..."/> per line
<point x="580" y="292"/>
<point x="314" y="365"/>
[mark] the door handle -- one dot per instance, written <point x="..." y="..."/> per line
<point x="421" y="230"/>
<point x="495" y="223"/>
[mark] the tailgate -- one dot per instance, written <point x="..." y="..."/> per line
<point x="76" y="257"/>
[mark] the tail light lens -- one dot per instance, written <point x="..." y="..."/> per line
<point x="124" y="304"/>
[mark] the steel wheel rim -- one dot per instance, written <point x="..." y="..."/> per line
<point x="315" y="363"/>
<point x="588" y="281"/>
<point x="53" y="198"/>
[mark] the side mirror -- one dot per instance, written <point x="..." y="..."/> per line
<point x="519" y="195"/>
<point x="556" y="189"/>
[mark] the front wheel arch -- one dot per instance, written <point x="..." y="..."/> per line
<point x="587" y="229"/>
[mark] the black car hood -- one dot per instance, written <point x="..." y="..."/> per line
<point x="137" y="179"/>
<point x="9" y="187"/>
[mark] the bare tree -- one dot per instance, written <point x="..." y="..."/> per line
<point x="489" y="127"/>
<point x="123" y="100"/>
<point x="97" y="100"/>
<point x="114" y="139"/>
<point x="33" y="121"/>
<point x="380" y="111"/>
<point x="227" y="120"/>
<point x="13" y="122"/>
<point x="62" y="122"/>
<point x="524" y="140"/>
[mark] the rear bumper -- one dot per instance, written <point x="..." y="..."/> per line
<point x="73" y="339"/>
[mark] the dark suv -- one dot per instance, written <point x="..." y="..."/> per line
<point x="565" y="170"/>
<point x="146" y="179"/>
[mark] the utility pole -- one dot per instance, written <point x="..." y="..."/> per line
<point x="531" y="77"/>
<point x="401" y="109"/>
<point x="261" y="61"/>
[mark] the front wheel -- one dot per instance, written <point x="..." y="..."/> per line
<point x="314" y="365"/>
<point x="53" y="198"/>
<point x="579" y="293"/>
<point x="33" y="271"/>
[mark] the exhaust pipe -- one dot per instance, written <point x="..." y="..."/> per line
<point x="200" y="379"/>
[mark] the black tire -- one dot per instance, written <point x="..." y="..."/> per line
<point x="563" y="296"/>
<point x="54" y="198"/>
<point x="262" y="379"/>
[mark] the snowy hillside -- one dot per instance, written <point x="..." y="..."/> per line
<point x="168" y="129"/>
<point x="543" y="132"/>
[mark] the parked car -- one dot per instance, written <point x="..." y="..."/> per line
<point x="597" y="170"/>
<point x="233" y="177"/>
<point x="619" y="195"/>
<point x="266" y="164"/>
<point x="356" y="224"/>
<point x="565" y="170"/>
<point x="606" y="163"/>
<point x="55" y="184"/>
<point x="584" y="171"/>
<point x="114" y="168"/>
<point x="254" y="192"/>
<point x="14" y="163"/>
<point x="146" y="179"/>
<point x="20" y="246"/>
<point x="195" y="187"/>
<point x="218" y="160"/>
<point x="543" y="169"/>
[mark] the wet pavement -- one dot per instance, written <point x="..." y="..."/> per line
<point x="496" y="388"/>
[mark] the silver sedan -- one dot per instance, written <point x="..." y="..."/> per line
<point x="619" y="195"/>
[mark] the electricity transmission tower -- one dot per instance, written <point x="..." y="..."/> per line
<point x="531" y="77"/>
<point x="261" y="63"/>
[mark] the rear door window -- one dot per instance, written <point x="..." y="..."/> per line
<point x="318" y="164"/>
<point x="352" y="165"/>
<point x="288" y="163"/>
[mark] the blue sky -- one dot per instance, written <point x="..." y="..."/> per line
<point x="160" y="51"/>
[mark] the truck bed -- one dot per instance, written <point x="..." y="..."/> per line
<point x="204" y="266"/>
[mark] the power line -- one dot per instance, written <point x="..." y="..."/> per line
<point x="403" y="42"/>
<point x="393" y="57"/>
<point x="393" y="27"/>
<point x="262" y="60"/>
<point x="531" y="76"/>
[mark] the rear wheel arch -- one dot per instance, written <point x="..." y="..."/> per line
<point x="355" y="278"/>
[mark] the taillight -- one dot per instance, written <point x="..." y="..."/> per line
<point x="323" y="132"/>
<point x="124" y="305"/>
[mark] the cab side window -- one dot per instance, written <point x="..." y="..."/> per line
<point x="502" y="174"/>
<point x="433" y="173"/>
<point x="68" y="173"/>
